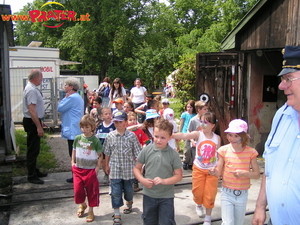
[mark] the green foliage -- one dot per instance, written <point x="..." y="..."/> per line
<point x="184" y="80"/>
<point x="177" y="106"/>
<point x="46" y="159"/>
<point x="133" y="38"/>
<point x="153" y="64"/>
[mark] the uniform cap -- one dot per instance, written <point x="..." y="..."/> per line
<point x="291" y="60"/>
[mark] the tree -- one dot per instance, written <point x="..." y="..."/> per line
<point x="136" y="38"/>
<point x="154" y="64"/>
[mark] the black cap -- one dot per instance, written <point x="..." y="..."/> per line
<point x="291" y="60"/>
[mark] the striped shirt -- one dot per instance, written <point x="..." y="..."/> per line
<point x="122" y="150"/>
<point x="236" y="161"/>
<point x="87" y="150"/>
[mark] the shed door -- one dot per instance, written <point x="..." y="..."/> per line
<point x="219" y="76"/>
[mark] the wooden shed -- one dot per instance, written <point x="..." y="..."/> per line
<point x="242" y="80"/>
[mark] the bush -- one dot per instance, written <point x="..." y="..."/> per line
<point x="45" y="161"/>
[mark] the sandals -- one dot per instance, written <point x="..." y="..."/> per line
<point x="90" y="217"/>
<point x="136" y="187"/>
<point x="128" y="209"/>
<point x="81" y="209"/>
<point x="117" y="220"/>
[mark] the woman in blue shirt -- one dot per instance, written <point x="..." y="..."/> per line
<point x="71" y="109"/>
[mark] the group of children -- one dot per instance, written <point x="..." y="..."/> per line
<point x="128" y="151"/>
<point x="235" y="162"/>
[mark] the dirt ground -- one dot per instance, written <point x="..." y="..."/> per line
<point x="59" y="147"/>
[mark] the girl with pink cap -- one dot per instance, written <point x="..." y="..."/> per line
<point x="237" y="165"/>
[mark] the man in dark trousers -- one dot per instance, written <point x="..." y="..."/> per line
<point x="33" y="110"/>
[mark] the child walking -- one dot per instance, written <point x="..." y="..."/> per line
<point x="194" y="124"/>
<point x="148" y="126"/>
<point x="190" y="112"/>
<point x="141" y="136"/>
<point x="163" y="170"/>
<point x="102" y="131"/>
<point x="121" y="148"/>
<point x="237" y="164"/>
<point x="96" y="111"/>
<point x="169" y="115"/>
<point x="204" y="185"/>
<point x="86" y="162"/>
<point x="118" y="104"/>
<point x="134" y="127"/>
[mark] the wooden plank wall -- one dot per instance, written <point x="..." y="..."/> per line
<point x="276" y="25"/>
<point x="213" y="77"/>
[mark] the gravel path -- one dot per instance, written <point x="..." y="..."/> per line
<point x="59" y="147"/>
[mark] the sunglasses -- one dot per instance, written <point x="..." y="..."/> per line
<point x="204" y="123"/>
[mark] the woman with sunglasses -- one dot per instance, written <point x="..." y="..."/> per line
<point x="205" y="185"/>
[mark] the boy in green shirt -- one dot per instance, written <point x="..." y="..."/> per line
<point x="163" y="170"/>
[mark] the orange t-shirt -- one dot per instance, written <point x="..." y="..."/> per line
<point x="236" y="161"/>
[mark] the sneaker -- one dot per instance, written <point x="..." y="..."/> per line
<point x="35" y="180"/>
<point x="207" y="222"/>
<point x="69" y="180"/>
<point x="199" y="210"/>
<point x="185" y="166"/>
<point x="105" y="179"/>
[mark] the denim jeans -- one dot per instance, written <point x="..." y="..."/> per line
<point x="117" y="187"/>
<point x="105" y="101"/>
<point x="158" y="211"/>
<point x="233" y="206"/>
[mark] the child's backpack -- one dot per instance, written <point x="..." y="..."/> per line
<point x="104" y="91"/>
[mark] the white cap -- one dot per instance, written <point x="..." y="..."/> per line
<point x="237" y="126"/>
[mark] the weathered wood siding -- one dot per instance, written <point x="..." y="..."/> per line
<point x="276" y="25"/>
<point x="214" y="77"/>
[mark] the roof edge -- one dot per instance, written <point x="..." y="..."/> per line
<point x="226" y="42"/>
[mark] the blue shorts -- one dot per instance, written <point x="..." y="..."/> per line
<point x="158" y="211"/>
<point x="117" y="187"/>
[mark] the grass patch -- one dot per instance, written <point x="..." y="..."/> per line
<point x="45" y="161"/>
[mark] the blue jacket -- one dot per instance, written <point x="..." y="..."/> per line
<point x="71" y="109"/>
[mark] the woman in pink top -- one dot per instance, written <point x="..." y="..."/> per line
<point x="237" y="164"/>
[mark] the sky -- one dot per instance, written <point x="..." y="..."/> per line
<point x="15" y="5"/>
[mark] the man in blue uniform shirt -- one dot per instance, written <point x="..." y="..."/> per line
<point x="280" y="188"/>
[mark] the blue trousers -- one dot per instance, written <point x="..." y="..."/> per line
<point x="158" y="211"/>
<point x="118" y="186"/>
